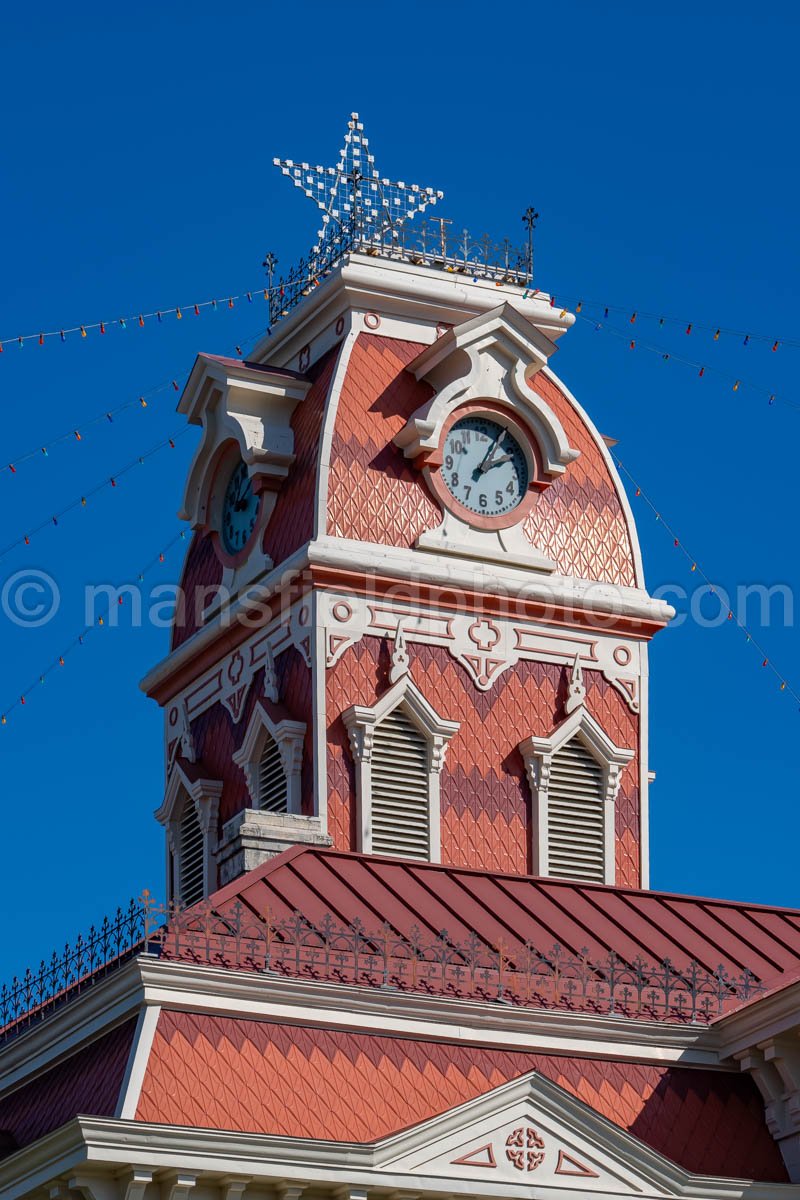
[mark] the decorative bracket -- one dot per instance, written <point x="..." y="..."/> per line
<point x="245" y="404"/>
<point x="490" y="357"/>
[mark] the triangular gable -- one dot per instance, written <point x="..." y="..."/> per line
<point x="531" y="1132"/>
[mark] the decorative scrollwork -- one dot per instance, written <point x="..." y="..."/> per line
<point x="523" y="974"/>
<point x="235" y="937"/>
<point x="428" y="244"/>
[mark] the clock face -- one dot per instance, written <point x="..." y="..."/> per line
<point x="239" y="510"/>
<point x="484" y="467"/>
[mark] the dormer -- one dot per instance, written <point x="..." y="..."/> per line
<point x="244" y="457"/>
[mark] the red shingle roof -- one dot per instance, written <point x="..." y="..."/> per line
<point x="87" y="1082"/>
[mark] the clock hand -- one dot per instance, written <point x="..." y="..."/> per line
<point x="490" y="460"/>
<point x="497" y="461"/>
<point x="490" y="452"/>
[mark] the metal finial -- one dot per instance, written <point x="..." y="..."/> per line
<point x="442" y="222"/>
<point x="529" y="219"/>
<point x="269" y="264"/>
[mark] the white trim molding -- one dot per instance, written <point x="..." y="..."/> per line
<point x="492" y="356"/>
<point x="488" y="359"/>
<point x="289" y="737"/>
<point x="361" y="722"/>
<point x="538" y="753"/>
<point x="248" y="405"/>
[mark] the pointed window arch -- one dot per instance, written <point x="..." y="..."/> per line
<point x="191" y="851"/>
<point x="271" y="756"/>
<point x="399" y="747"/>
<point x="574" y="777"/>
<point x="189" y="814"/>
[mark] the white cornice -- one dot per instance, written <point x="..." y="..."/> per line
<point x="763" y="1019"/>
<point x="581" y="595"/>
<point x="92" y="1013"/>
<point x="409" y="1014"/>
<point x="422" y="294"/>
<point x="112" y="1145"/>
<point x="278" y="578"/>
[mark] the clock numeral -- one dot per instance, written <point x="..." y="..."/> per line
<point x="498" y="498"/>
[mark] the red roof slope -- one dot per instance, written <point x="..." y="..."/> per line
<point x="262" y="1077"/>
<point x="88" y="1082"/>
<point x="513" y="909"/>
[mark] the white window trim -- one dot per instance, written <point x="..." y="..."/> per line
<point x="290" y="739"/>
<point x="360" y="723"/>
<point x="205" y="794"/>
<point x="538" y="756"/>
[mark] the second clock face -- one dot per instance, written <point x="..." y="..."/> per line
<point x="239" y="510"/>
<point x="484" y="467"/>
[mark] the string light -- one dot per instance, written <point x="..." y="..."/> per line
<point x="81" y="501"/>
<point x="179" y="310"/>
<point x="59" y="661"/>
<point x="159" y="314"/>
<point x="71" y="435"/>
<point x="701" y="368"/>
<point x="717" y="332"/>
<point x="694" y="565"/>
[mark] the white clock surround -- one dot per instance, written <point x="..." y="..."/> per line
<point x="245" y="410"/>
<point x="486" y="364"/>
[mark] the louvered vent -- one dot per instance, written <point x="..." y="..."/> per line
<point x="272" y="789"/>
<point x="400" y="791"/>
<point x="576" y="825"/>
<point x="190" y="855"/>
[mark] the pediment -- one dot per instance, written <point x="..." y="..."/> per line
<point x="531" y="1133"/>
<point x="490" y="357"/>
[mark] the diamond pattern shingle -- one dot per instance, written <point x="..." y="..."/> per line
<point x="261" y="1077"/>
<point x="485" y="796"/>
<point x="375" y="495"/>
<point x="87" y="1082"/>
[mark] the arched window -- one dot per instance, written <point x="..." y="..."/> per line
<point x="399" y="748"/>
<point x="271" y="756"/>
<point x="189" y="814"/>
<point x="191" y="855"/>
<point x="574" y="777"/>
<point x="272" y="784"/>
<point x="576" y="834"/>
<point x="401" y="819"/>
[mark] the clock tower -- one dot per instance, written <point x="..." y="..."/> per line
<point x="413" y="620"/>
<point x="413" y="952"/>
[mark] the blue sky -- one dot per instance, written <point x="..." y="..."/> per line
<point x="657" y="144"/>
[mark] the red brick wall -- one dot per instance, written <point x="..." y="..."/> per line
<point x="357" y="1087"/>
<point x="201" y="570"/>
<point x="292" y="522"/>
